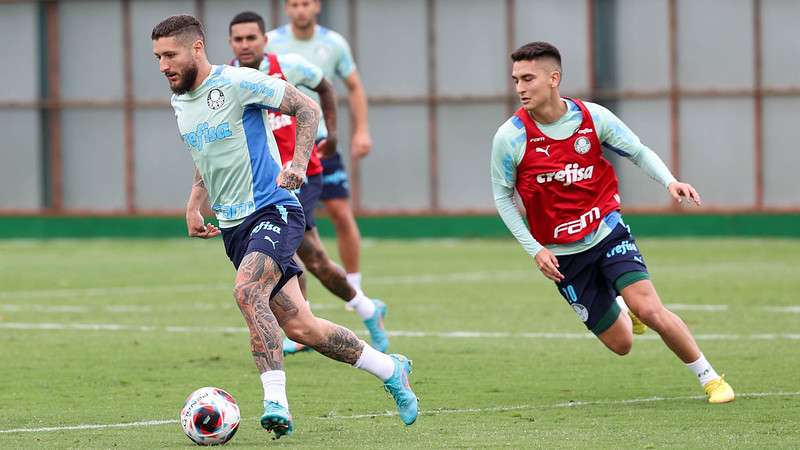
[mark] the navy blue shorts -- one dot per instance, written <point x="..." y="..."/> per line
<point x="335" y="183"/>
<point x="594" y="278"/>
<point x="275" y="231"/>
<point x="308" y="195"/>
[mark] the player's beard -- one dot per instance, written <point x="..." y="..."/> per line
<point x="303" y="24"/>
<point x="187" y="80"/>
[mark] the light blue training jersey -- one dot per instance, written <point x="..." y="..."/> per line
<point x="327" y="50"/>
<point x="299" y="72"/>
<point x="224" y="125"/>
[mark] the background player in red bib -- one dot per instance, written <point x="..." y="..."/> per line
<point x="248" y="38"/>
<point x="550" y="151"/>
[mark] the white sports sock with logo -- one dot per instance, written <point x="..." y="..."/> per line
<point x="702" y="368"/>
<point x="354" y="279"/>
<point x="274" y="382"/>
<point x="363" y="305"/>
<point x="379" y="364"/>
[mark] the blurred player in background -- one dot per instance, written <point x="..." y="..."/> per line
<point x="247" y="38"/>
<point x="550" y="151"/>
<point x="222" y="120"/>
<point x="330" y="52"/>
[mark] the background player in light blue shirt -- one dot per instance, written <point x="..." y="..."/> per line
<point x="247" y="37"/>
<point x="221" y="113"/>
<point x="329" y="51"/>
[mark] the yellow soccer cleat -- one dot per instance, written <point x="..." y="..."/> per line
<point x="719" y="391"/>
<point x="638" y="326"/>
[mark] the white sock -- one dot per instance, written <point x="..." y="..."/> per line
<point x="363" y="305"/>
<point x="274" y="382"/>
<point x="703" y="370"/>
<point x="375" y="362"/>
<point x="354" y="279"/>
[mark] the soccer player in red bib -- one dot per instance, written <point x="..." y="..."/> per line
<point x="248" y="39"/>
<point x="551" y="152"/>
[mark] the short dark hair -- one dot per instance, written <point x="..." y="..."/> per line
<point x="247" y="17"/>
<point x="181" y="25"/>
<point x="537" y="50"/>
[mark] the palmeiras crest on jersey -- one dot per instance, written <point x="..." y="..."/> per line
<point x="322" y="51"/>
<point x="215" y="99"/>
<point x="582" y="145"/>
<point x="581" y="311"/>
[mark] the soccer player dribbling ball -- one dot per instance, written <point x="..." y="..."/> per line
<point x="222" y="117"/>
<point x="550" y="151"/>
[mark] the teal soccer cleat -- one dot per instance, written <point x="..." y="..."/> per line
<point x="377" y="334"/>
<point x="291" y="347"/>
<point x="276" y="418"/>
<point x="398" y="386"/>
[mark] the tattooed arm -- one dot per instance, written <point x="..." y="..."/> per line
<point x="196" y="208"/>
<point x="327" y="100"/>
<point x="297" y="104"/>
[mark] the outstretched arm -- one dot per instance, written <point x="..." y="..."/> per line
<point x="196" y="208"/>
<point x="617" y="137"/>
<point x="327" y="101"/>
<point x="297" y="104"/>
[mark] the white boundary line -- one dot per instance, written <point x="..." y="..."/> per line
<point x="125" y="309"/>
<point x="144" y="423"/>
<point x="432" y="412"/>
<point x="572" y="404"/>
<point x="697" y="307"/>
<point x="396" y="333"/>
<point x="451" y="277"/>
<point x="43" y="308"/>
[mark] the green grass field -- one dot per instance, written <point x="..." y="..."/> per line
<point x="115" y="333"/>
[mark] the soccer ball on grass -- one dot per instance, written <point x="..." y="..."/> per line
<point x="210" y="416"/>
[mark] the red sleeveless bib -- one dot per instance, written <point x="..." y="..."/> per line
<point x="284" y="127"/>
<point x="566" y="185"/>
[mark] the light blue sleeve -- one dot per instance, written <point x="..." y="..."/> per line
<point x="345" y="65"/>
<point x="507" y="152"/>
<point x="617" y="137"/>
<point x="255" y="88"/>
<point x="299" y="71"/>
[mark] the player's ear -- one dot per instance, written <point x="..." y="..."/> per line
<point x="198" y="46"/>
<point x="555" y="78"/>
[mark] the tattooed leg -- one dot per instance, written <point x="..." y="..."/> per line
<point x="300" y="325"/>
<point x="340" y="344"/>
<point x="333" y="277"/>
<point x="302" y="278"/>
<point x="255" y="279"/>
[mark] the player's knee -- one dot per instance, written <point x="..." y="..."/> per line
<point x="247" y="294"/>
<point x="301" y="331"/>
<point x="622" y="347"/>
<point x="651" y="314"/>
<point x="316" y="261"/>
<point x="339" y="211"/>
<point x="239" y="293"/>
